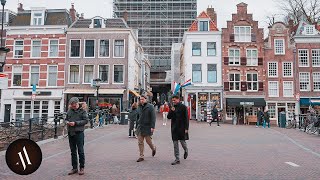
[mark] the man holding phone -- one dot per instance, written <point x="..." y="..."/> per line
<point x="179" y="127"/>
<point x="77" y="118"/>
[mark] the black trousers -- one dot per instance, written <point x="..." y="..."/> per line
<point x="217" y="121"/>
<point x="131" y="128"/>
<point x="76" y="143"/>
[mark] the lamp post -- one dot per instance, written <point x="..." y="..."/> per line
<point x="3" y="50"/>
<point x="97" y="85"/>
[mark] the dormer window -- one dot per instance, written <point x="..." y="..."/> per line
<point x="37" y="17"/>
<point x="97" y="23"/>
<point x="203" y="26"/>
<point x="310" y="30"/>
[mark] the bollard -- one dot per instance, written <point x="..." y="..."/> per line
<point x="42" y="128"/>
<point x="30" y="128"/>
<point x="55" y="126"/>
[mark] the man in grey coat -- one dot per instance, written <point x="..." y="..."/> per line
<point x="77" y="118"/>
<point x="145" y="126"/>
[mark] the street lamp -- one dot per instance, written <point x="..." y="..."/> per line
<point x="3" y="50"/>
<point x="97" y="85"/>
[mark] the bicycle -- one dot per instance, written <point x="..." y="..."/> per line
<point x="292" y="123"/>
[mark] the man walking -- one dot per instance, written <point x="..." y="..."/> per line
<point x="214" y="114"/>
<point x="179" y="127"/>
<point x="77" y="118"/>
<point x="259" y="117"/>
<point x="146" y="126"/>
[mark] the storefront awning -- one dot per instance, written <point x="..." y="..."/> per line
<point x="79" y="91"/>
<point x="309" y="101"/>
<point x="246" y="102"/>
<point x="111" y="91"/>
<point x="135" y="93"/>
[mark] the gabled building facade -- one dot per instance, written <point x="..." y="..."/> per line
<point x="202" y="63"/>
<point x="243" y="70"/>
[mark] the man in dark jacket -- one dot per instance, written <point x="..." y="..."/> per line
<point x="179" y="127"/>
<point x="214" y="114"/>
<point x="133" y="116"/>
<point x="146" y="125"/>
<point x="77" y="118"/>
<point x="259" y="117"/>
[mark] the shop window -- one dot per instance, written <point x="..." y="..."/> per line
<point x="231" y="112"/>
<point x="57" y="107"/>
<point x="272" y="110"/>
<point x="251" y="111"/>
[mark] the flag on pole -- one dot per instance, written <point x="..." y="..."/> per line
<point x="187" y="83"/>
<point x="177" y="88"/>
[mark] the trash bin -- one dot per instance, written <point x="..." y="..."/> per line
<point x="124" y="116"/>
<point x="234" y="120"/>
<point x="282" y="119"/>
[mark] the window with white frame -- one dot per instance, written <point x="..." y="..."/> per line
<point x="54" y="48"/>
<point x="242" y="33"/>
<point x="204" y="26"/>
<point x="272" y="69"/>
<point x="19" y="110"/>
<point x="17" y="75"/>
<point x="37" y="18"/>
<point x="57" y="105"/>
<point x="252" y="57"/>
<point x="104" y="73"/>
<point x="287" y="69"/>
<point x="279" y="47"/>
<point x="304" y="78"/>
<point x="310" y="30"/>
<point x="88" y="73"/>
<point x="118" y="73"/>
<point x="252" y="82"/>
<point x="287" y="89"/>
<point x="316" y="81"/>
<point x="104" y="48"/>
<point x="34" y="75"/>
<point x="251" y="111"/>
<point x="196" y="48"/>
<point x="212" y="73"/>
<point x="89" y="48"/>
<point x="211" y="49"/>
<point x="234" y="56"/>
<point x="74" y="74"/>
<point x="303" y="57"/>
<point x="273" y="89"/>
<point x="119" y="48"/>
<point x="36" y="48"/>
<point x="75" y="48"/>
<point x="97" y="23"/>
<point x="18" y="49"/>
<point x="231" y="112"/>
<point x="196" y="73"/>
<point x="272" y="110"/>
<point x="315" y="57"/>
<point x="25" y="110"/>
<point x="52" y="75"/>
<point x="234" y="82"/>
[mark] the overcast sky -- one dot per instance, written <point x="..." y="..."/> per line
<point x="90" y="8"/>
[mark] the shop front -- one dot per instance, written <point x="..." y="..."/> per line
<point x="243" y="109"/>
<point x="276" y="107"/>
<point x="306" y="102"/>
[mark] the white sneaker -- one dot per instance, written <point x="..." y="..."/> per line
<point x="129" y="136"/>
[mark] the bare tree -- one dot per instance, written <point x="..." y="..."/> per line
<point x="301" y="9"/>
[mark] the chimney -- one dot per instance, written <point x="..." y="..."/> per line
<point x="212" y="14"/>
<point x="242" y="8"/>
<point x="20" y="7"/>
<point x="73" y="13"/>
<point x="290" y="23"/>
<point x="125" y="15"/>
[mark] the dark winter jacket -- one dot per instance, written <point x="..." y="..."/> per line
<point x="260" y="116"/>
<point x="214" y="113"/>
<point x="179" y="122"/>
<point x="146" y="119"/>
<point x="80" y="117"/>
<point x="133" y="117"/>
<point x="266" y="116"/>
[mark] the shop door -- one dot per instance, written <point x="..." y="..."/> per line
<point x="240" y="114"/>
<point x="193" y="106"/>
<point x="279" y="111"/>
<point x="7" y="112"/>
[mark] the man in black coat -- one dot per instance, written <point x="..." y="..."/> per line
<point x="145" y="126"/>
<point x="214" y="114"/>
<point x="179" y="127"/>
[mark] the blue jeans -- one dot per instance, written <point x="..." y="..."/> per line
<point x="76" y="142"/>
<point x="264" y="124"/>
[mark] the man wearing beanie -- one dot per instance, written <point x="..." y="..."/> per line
<point x="77" y="118"/>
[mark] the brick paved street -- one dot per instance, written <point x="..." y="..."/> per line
<point x="228" y="152"/>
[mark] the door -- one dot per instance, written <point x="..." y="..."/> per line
<point x="279" y="111"/>
<point x="240" y="114"/>
<point x="7" y="112"/>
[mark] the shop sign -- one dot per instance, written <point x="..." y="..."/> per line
<point x="247" y="103"/>
<point x="203" y="96"/>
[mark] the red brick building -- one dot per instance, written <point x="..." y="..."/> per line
<point x="279" y="65"/>
<point x="243" y="71"/>
<point x="37" y="40"/>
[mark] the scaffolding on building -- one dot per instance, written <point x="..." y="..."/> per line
<point x="160" y="23"/>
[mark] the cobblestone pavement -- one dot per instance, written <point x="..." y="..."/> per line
<point x="226" y="152"/>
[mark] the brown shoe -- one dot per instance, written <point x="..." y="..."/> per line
<point x="140" y="159"/>
<point x="154" y="151"/>
<point x="73" y="171"/>
<point x="81" y="172"/>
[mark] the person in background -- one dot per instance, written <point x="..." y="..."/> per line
<point x="114" y="112"/>
<point x="266" y="118"/>
<point x="133" y="117"/>
<point x="259" y="117"/>
<point x="77" y="118"/>
<point x="165" y="111"/>
<point x="214" y="114"/>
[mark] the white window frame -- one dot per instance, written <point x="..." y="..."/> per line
<point x="30" y="74"/>
<point x="94" y="48"/>
<point x="201" y="69"/>
<point x="310" y="30"/>
<point x="234" y="82"/>
<point x="234" y="57"/>
<point x="251" y="59"/>
<point x="31" y="53"/>
<point x="284" y="88"/>
<point x="69" y="73"/>
<point x="48" y="72"/>
<point x="247" y="81"/>
<point x="283" y="69"/>
<point x="208" y="27"/>
<point x="99" y="49"/>
<point x="39" y="17"/>
<point x="200" y="49"/>
<point x="277" y="47"/>
<point x="272" y="95"/>
<point x="13" y="73"/>
<point x="124" y="73"/>
<point x="215" y="44"/>
<point x="124" y="49"/>
<point x="108" y="82"/>
<point x="49" y="49"/>
<point x="316" y="79"/>
<point x="300" y="65"/>
<point x="305" y="81"/>
<point x="246" y="38"/>
<point x="79" y="49"/>
<point x="269" y="73"/>
<point x="14" y="49"/>
<point x="315" y="58"/>
<point x="212" y="71"/>
<point x="83" y="73"/>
